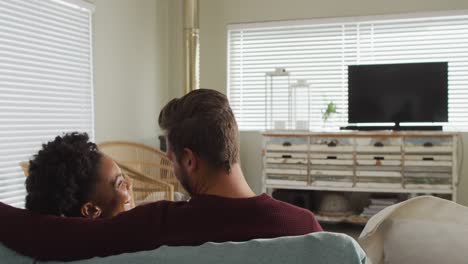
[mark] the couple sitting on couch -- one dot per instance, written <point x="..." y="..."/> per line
<point x="70" y="177"/>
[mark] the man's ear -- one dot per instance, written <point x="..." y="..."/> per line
<point x="189" y="160"/>
<point x="90" y="210"/>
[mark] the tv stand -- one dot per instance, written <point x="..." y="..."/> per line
<point x="405" y="164"/>
<point x="393" y="128"/>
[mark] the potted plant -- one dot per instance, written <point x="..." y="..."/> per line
<point x="329" y="111"/>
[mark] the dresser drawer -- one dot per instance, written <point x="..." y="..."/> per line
<point x="331" y="145"/>
<point x="332" y="181"/>
<point x="330" y="159"/>
<point x="428" y="178"/>
<point x="428" y="145"/>
<point x="331" y="156"/>
<point x="285" y="182"/>
<point x="425" y="163"/>
<point x="432" y="178"/>
<point x="286" y="171"/>
<point x="365" y="181"/>
<point x="378" y="185"/>
<point x="378" y="174"/>
<point x="378" y="156"/>
<point x="341" y="173"/>
<point x="419" y="174"/>
<point x="286" y="158"/>
<point x="428" y="169"/>
<point x="287" y="175"/>
<point x="428" y="157"/>
<point x="287" y="144"/>
<point x="378" y="163"/>
<point x="331" y="162"/>
<point x="425" y="187"/>
<point x="379" y="145"/>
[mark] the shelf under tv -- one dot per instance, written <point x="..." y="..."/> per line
<point x="383" y="189"/>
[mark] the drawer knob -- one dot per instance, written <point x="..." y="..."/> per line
<point x="287" y="144"/>
<point x="378" y="144"/>
<point x="428" y="144"/>
<point x="332" y="143"/>
<point x="286" y="156"/>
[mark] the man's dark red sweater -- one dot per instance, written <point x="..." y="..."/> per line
<point x="202" y="219"/>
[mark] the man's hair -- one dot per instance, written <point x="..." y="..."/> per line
<point x="62" y="175"/>
<point x="202" y="121"/>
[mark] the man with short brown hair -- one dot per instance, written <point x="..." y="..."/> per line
<point x="203" y="142"/>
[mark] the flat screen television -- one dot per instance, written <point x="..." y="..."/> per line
<point x="396" y="93"/>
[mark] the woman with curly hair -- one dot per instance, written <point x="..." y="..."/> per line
<point x="70" y="177"/>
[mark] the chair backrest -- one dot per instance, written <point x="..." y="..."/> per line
<point x="25" y="167"/>
<point x="144" y="189"/>
<point x="144" y="159"/>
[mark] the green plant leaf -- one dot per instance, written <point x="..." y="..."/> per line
<point x="329" y="111"/>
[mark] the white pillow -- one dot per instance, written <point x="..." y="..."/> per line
<point x="425" y="230"/>
<point x="420" y="241"/>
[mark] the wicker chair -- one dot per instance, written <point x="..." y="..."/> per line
<point x="147" y="160"/>
<point x="25" y="167"/>
<point x="144" y="189"/>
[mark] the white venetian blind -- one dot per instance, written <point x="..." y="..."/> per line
<point x="46" y="81"/>
<point x="320" y="52"/>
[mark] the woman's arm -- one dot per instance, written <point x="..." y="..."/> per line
<point x="47" y="237"/>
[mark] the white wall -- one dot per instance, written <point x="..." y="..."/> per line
<point x="131" y="68"/>
<point x="176" y="46"/>
<point x="216" y="14"/>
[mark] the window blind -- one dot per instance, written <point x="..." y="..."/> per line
<point x="46" y="81"/>
<point x="320" y="52"/>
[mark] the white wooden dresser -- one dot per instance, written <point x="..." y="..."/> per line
<point x="379" y="162"/>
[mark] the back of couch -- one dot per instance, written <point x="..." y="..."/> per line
<point x="317" y="248"/>
<point x="9" y="256"/>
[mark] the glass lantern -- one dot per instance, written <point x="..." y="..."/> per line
<point x="278" y="111"/>
<point x="300" y="102"/>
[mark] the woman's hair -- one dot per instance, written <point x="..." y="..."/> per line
<point x="62" y="175"/>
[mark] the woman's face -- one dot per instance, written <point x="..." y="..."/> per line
<point x="112" y="191"/>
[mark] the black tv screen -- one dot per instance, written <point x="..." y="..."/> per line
<point x="384" y="93"/>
